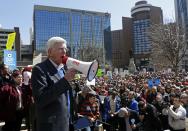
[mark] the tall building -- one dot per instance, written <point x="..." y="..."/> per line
<point x="181" y="13"/>
<point x="133" y="37"/>
<point x="117" y="48"/>
<point x="122" y="44"/>
<point x="26" y="53"/>
<point x="80" y="28"/>
<point x="143" y="15"/>
<point x="3" y="40"/>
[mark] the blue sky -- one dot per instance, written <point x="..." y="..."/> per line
<point x="19" y="13"/>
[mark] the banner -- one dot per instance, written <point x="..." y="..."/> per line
<point x="153" y="82"/>
<point x="37" y="59"/>
<point x="10" y="41"/>
<point x="10" y="59"/>
<point x="99" y="72"/>
<point x="122" y="74"/>
<point x="150" y="83"/>
<point x="156" y="82"/>
<point x="120" y="69"/>
<point x="116" y="71"/>
<point x="126" y="72"/>
<point x="88" y="83"/>
<point x="77" y="77"/>
<point x="109" y="74"/>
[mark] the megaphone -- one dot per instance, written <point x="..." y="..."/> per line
<point x="87" y="68"/>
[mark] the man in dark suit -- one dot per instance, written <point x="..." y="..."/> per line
<point x="51" y="89"/>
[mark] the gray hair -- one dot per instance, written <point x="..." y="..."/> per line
<point x="53" y="41"/>
<point x="183" y="95"/>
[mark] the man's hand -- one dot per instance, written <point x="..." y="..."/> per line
<point x="92" y="119"/>
<point x="133" y="126"/>
<point x="70" y="73"/>
<point x="141" y="117"/>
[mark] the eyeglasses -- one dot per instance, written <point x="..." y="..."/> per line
<point x="63" y="49"/>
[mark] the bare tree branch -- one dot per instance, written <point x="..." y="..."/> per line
<point x="168" y="43"/>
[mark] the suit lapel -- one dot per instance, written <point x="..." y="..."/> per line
<point x="52" y="71"/>
<point x="50" y="67"/>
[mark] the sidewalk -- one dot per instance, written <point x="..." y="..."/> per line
<point x="2" y="123"/>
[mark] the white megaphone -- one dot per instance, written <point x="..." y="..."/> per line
<point x="87" y="68"/>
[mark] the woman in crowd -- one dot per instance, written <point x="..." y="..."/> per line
<point x="90" y="109"/>
<point x="27" y="95"/>
<point x="11" y="103"/>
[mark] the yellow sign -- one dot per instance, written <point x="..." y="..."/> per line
<point x="77" y="76"/>
<point x="99" y="72"/>
<point x="10" y="41"/>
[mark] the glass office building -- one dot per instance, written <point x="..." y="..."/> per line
<point x="79" y="27"/>
<point x="143" y="16"/>
<point x="141" y="39"/>
<point x="181" y="12"/>
<point x="181" y="7"/>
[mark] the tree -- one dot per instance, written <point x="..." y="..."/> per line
<point x="168" y="45"/>
<point x="90" y="53"/>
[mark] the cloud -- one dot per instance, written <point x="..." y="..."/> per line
<point x="0" y="25"/>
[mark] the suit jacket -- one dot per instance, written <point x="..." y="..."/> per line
<point x="50" y="95"/>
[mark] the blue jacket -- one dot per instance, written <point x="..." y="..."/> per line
<point x="134" y="105"/>
<point x="107" y="108"/>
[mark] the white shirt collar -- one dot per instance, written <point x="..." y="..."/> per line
<point x="55" y="65"/>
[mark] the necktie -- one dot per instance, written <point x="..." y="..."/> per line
<point x="61" y="73"/>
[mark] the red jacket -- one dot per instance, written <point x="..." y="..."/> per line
<point x="9" y="98"/>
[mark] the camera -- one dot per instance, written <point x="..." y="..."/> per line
<point x="165" y="104"/>
<point x="166" y="98"/>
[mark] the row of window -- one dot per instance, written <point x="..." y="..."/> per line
<point x="142" y="49"/>
<point x="61" y="27"/>
<point x="141" y="40"/>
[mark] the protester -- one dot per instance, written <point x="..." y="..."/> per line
<point x="133" y="104"/>
<point x="184" y="101"/>
<point x="5" y="77"/>
<point x="150" y="119"/>
<point x="176" y="115"/>
<point x="112" y="104"/>
<point x="81" y="96"/>
<point x="90" y="109"/>
<point x="27" y="95"/>
<point x="134" y="121"/>
<point x="160" y="104"/>
<point x="11" y="110"/>
<point x="51" y="89"/>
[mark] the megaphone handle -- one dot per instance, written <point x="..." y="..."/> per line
<point x="69" y="67"/>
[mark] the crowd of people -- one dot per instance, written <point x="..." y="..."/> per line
<point x="130" y="103"/>
<point x="56" y="101"/>
<point x="15" y="97"/>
